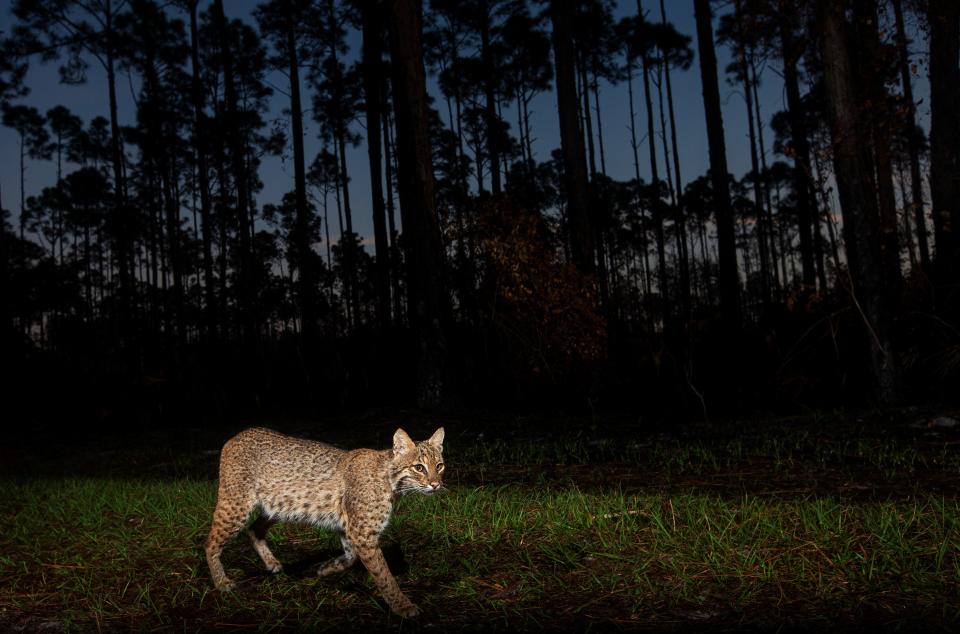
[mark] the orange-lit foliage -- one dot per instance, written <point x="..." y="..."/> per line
<point x="545" y="308"/>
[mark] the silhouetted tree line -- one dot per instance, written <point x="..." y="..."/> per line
<point x="148" y="273"/>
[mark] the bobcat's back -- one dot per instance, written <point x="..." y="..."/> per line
<point x="289" y="478"/>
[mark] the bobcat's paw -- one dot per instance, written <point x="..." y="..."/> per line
<point x="407" y="611"/>
<point x="275" y="567"/>
<point x="333" y="566"/>
<point x="226" y="585"/>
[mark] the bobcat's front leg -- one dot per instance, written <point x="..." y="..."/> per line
<point x="372" y="557"/>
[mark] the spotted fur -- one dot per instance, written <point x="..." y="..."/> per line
<point x="296" y="480"/>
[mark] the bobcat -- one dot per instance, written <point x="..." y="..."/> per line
<point x="350" y="492"/>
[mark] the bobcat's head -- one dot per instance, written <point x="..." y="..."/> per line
<point x="417" y="466"/>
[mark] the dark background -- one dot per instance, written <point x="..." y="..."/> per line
<point x="148" y="281"/>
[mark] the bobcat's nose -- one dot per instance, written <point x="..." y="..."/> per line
<point x="435" y="485"/>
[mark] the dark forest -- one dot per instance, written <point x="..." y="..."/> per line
<point x="147" y="279"/>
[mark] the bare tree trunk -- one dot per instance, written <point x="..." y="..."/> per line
<point x="246" y="283"/>
<point x="673" y="181"/>
<point x="873" y="95"/>
<point x="657" y="204"/>
<point x="821" y="201"/>
<point x="600" y="217"/>
<point x="790" y="52"/>
<point x="726" y="238"/>
<point x="913" y="142"/>
<point x="764" y="180"/>
<point x="426" y="290"/>
<point x="571" y="141"/>
<point x="5" y="317"/>
<point x="943" y="17"/>
<point x="907" y="229"/>
<point x="372" y="44"/>
<point x="596" y="101"/>
<point x="587" y="118"/>
<point x="857" y="188"/>
<point x="307" y="281"/>
<point x="635" y="146"/>
<point x="391" y="215"/>
<point x="489" y="91"/>
<point x="23" y="193"/>
<point x="755" y="166"/>
<point x="200" y="141"/>
<point x="122" y="247"/>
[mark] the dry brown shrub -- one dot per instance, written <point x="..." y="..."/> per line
<point x="544" y="307"/>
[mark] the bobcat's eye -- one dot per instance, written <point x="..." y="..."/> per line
<point x="420" y="468"/>
<point x="439" y="467"/>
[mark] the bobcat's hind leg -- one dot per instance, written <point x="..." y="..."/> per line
<point x="341" y="563"/>
<point x="258" y="537"/>
<point x="228" y="520"/>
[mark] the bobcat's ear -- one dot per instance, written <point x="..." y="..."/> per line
<point x="401" y="442"/>
<point x="437" y="439"/>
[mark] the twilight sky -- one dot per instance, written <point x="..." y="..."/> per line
<point x="90" y="100"/>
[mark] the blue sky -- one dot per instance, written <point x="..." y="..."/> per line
<point x="90" y="100"/>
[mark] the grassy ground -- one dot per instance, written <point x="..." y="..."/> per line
<point x="818" y="522"/>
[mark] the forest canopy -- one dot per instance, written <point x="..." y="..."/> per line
<point x="466" y="261"/>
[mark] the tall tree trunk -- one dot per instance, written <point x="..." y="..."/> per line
<point x="596" y="101"/>
<point x="673" y="181"/>
<point x="426" y="290"/>
<point x="245" y="295"/>
<point x="518" y="97"/>
<point x="223" y="238"/>
<point x="790" y="52"/>
<point x="819" y="200"/>
<point x="587" y="118"/>
<point x="571" y="141"/>
<point x="391" y="214"/>
<point x="122" y="226"/>
<point x="635" y="146"/>
<point x="744" y="71"/>
<point x="526" y="128"/>
<point x="172" y="207"/>
<point x="875" y="100"/>
<point x="5" y="317"/>
<point x="907" y="229"/>
<point x="344" y="272"/>
<point x="858" y="198"/>
<point x="600" y="204"/>
<point x="307" y="281"/>
<point x="23" y="194"/>
<point x="57" y="246"/>
<point x="944" y="20"/>
<point x="913" y="142"/>
<point x="821" y="208"/>
<point x="168" y="206"/>
<point x="349" y="260"/>
<point x="764" y="178"/>
<point x="662" y="115"/>
<point x="656" y="203"/>
<point x="372" y="43"/>
<point x="726" y="237"/>
<point x="676" y="165"/>
<point x="489" y="92"/>
<point x="200" y="143"/>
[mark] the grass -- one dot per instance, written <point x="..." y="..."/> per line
<point x="767" y="526"/>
